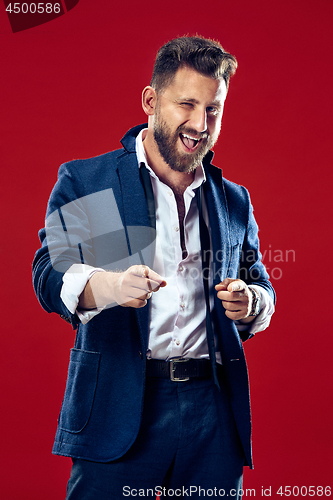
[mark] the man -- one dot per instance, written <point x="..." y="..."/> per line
<point x="154" y="258"/>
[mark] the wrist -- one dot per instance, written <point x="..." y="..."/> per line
<point x="99" y="291"/>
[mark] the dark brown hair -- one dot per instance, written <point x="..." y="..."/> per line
<point x="201" y="54"/>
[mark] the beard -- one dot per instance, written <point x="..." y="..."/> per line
<point x="166" y="142"/>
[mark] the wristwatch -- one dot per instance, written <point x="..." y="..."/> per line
<point x="255" y="309"/>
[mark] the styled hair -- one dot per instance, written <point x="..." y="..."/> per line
<point x="201" y="54"/>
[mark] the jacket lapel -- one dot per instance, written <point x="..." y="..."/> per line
<point x="133" y="195"/>
<point x="218" y="214"/>
<point x="136" y="223"/>
<point x="219" y="220"/>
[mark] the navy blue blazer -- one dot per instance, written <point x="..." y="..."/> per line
<point x="97" y="214"/>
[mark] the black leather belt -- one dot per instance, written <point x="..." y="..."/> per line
<point x="178" y="369"/>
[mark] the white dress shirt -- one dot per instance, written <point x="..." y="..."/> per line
<point x="177" y="311"/>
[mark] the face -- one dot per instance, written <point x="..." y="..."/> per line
<point x="187" y="118"/>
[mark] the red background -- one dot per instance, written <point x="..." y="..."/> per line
<point x="69" y="89"/>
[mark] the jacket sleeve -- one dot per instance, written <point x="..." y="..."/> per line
<point x="251" y="268"/>
<point x="64" y="240"/>
<point x="84" y="225"/>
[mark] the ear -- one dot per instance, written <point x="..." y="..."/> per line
<point x="149" y="99"/>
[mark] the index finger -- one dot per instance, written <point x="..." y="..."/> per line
<point x="146" y="272"/>
<point x="224" y="285"/>
<point x="151" y="275"/>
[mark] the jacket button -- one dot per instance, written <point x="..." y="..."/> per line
<point x="140" y="354"/>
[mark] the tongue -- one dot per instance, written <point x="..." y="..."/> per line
<point x="190" y="143"/>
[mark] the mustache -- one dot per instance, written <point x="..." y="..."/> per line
<point x="193" y="133"/>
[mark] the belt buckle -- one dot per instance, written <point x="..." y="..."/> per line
<point x="173" y="369"/>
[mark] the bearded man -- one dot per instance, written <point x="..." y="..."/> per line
<point x="154" y="258"/>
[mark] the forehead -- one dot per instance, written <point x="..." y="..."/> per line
<point x="189" y="84"/>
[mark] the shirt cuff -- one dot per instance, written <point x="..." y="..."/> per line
<point x="74" y="282"/>
<point x="262" y="321"/>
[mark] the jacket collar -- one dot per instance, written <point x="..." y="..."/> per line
<point x="128" y="141"/>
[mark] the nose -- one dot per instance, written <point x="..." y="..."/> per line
<point x="198" y="120"/>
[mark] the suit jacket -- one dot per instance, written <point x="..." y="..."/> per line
<point x="97" y="214"/>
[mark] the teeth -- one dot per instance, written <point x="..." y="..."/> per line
<point x="189" y="137"/>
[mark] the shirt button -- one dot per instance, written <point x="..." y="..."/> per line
<point x="182" y="306"/>
<point x="177" y="342"/>
<point x="176" y="228"/>
<point x="180" y="268"/>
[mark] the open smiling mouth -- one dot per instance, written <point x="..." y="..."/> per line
<point x="190" y="143"/>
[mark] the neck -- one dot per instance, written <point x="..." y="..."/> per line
<point x="177" y="181"/>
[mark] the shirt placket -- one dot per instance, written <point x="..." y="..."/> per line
<point x="181" y="319"/>
<point x="176" y="342"/>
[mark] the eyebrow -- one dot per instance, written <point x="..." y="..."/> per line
<point x="187" y="99"/>
<point x="195" y="101"/>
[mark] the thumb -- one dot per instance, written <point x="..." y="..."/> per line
<point x="236" y="286"/>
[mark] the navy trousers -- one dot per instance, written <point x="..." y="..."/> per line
<point x="187" y="447"/>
